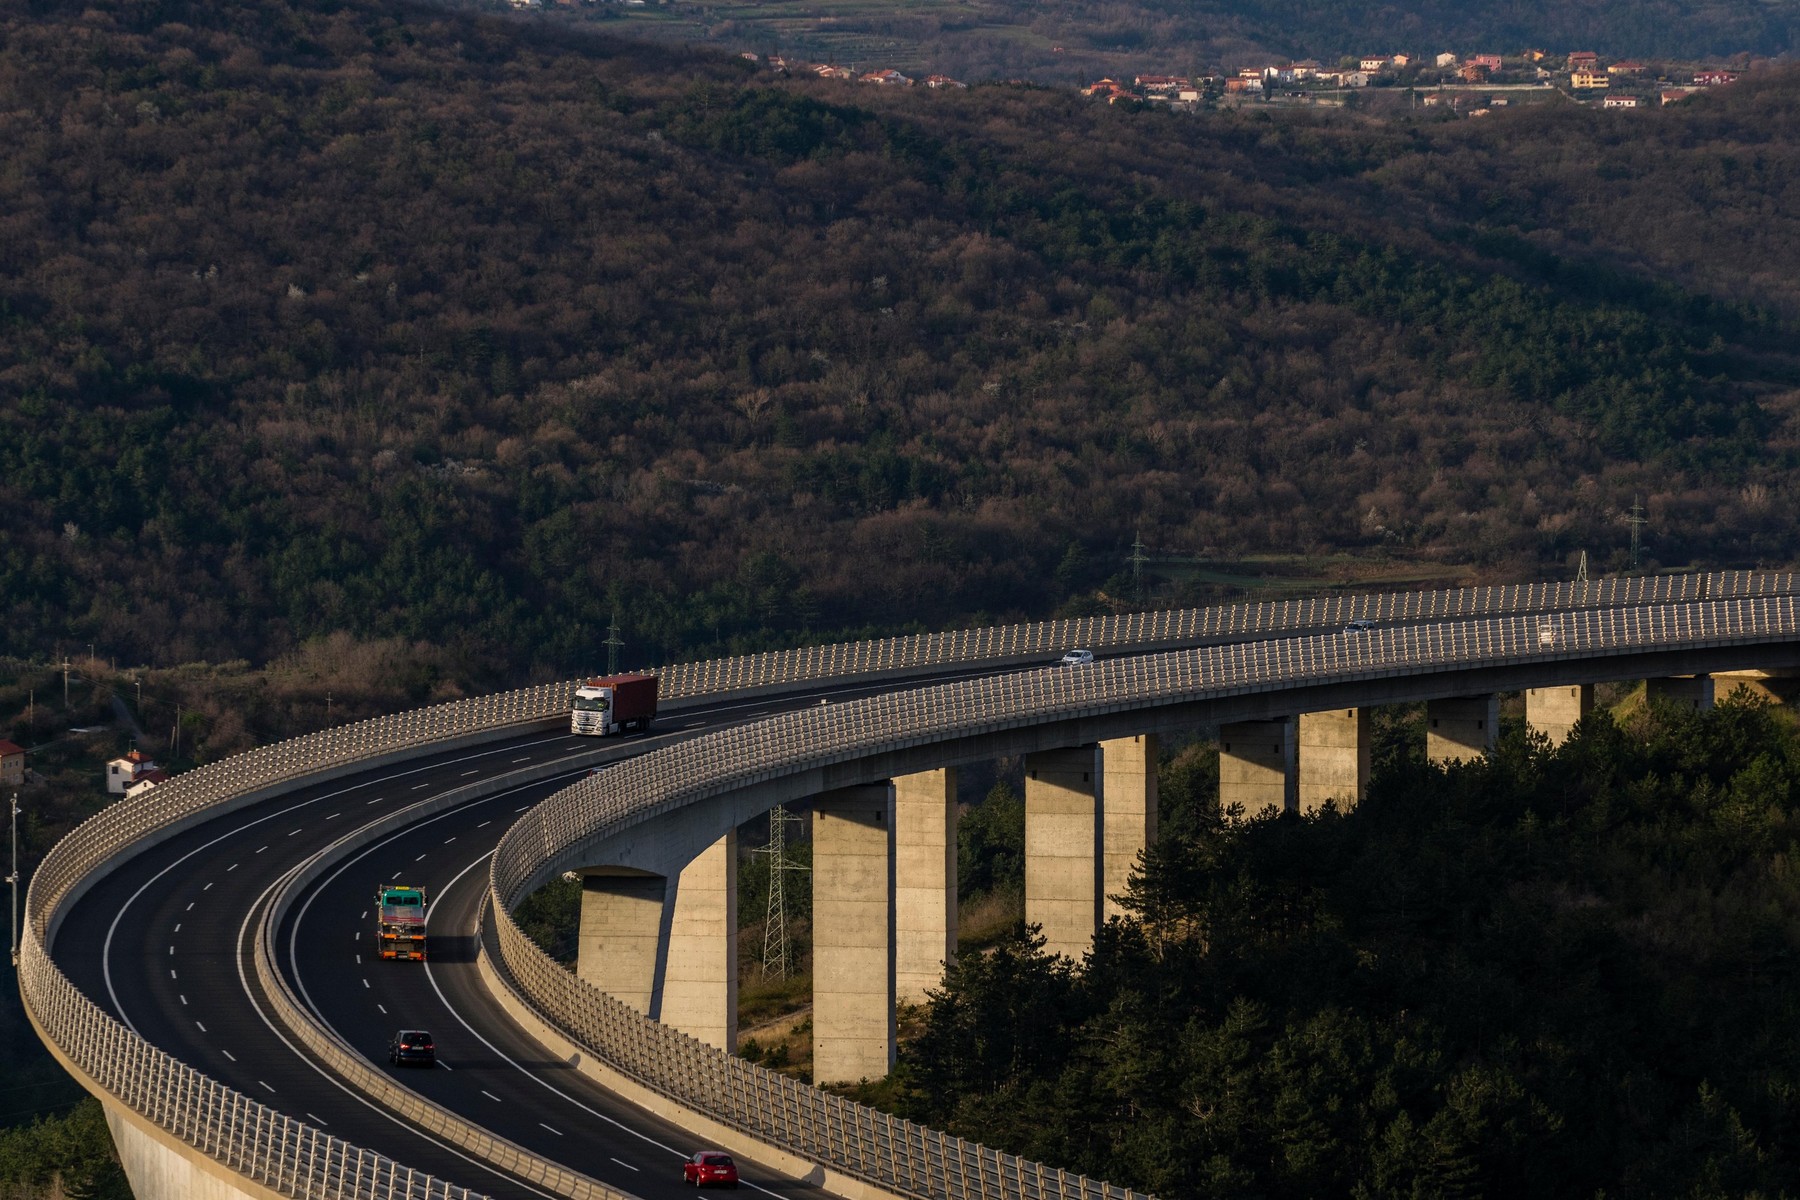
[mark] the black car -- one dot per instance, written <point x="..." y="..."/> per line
<point x="412" y="1046"/>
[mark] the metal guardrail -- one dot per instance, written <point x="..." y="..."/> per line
<point x="565" y="831"/>
<point x="296" y="1159"/>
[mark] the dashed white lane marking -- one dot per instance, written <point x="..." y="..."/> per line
<point x="172" y="973"/>
<point x="357" y="937"/>
<point x="365" y="915"/>
<point x="557" y="1132"/>
<point x="527" y="758"/>
<point x="359" y="960"/>
<point x="522" y="809"/>
<point x="292" y="834"/>
<point x="625" y="1164"/>
<point x="376" y="800"/>
<point x="260" y="849"/>
<point x="265" y="1085"/>
<point x="184" y="999"/>
<point x="398" y="874"/>
<point x="202" y="1026"/>
<point x="316" y="1117"/>
<point x="190" y="907"/>
<point x="365" y="983"/>
<point x="483" y="824"/>
<point x="417" y="786"/>
<point x="334" y="816"/>
<point x="228" y="870"/>
<point x="229" y="1054"/>
<point x="492" y="1097"/>
<point x="447" y="841"/>
<point x="445" y="1065"/>
<point x="476" y="771"/>
<point x="171" y="949"/>
<point x="207" y="888"/>
<point x="383" y="1009"/>
<point x="178" y="927"/>
<point x="421" y="858"/>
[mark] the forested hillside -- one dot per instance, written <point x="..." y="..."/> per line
<point x="1564" y="973"/>
<point x="369" y="317"/>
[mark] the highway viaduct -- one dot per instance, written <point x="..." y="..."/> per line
<point x="195" y="957"/>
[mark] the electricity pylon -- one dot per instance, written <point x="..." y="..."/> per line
<point x="776" y="947"/>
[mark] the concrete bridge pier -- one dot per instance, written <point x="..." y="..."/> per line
<point x="853" y="945"/>
<point x="700" y="978"/>
<point x="621" y="938"/>
<point x="1256" y="761"/>
<point x="1334" y="757"/>
<point x="1128" y="813"/>
<point x="1461" y="728"/>
<point x="1553" y="711"/>
<point x="1685" y="691"/>
<point x="1062" y="847"/>
<point x="924" y="881"/>
<point x="1777" y="687"/>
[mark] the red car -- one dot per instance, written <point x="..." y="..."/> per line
<point x="709" y="1168"/>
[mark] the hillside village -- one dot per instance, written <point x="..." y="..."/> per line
<point x="1472" y="85"/>
<point x="1475" y="83"/>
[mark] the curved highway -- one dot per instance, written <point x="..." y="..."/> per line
<point x="164" y="943"/>
<point x="162" y="940"/>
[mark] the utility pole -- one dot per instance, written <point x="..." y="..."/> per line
<point x="12" y="881"/>
<point x="775" y="928"/>
<point x="65" y="683"/>
<point x="613" y="645"/>
<point x="175" y="736"/>
<point x="1637" y="520"/>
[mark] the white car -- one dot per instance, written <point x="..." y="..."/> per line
<point x="1078" y="658"/>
